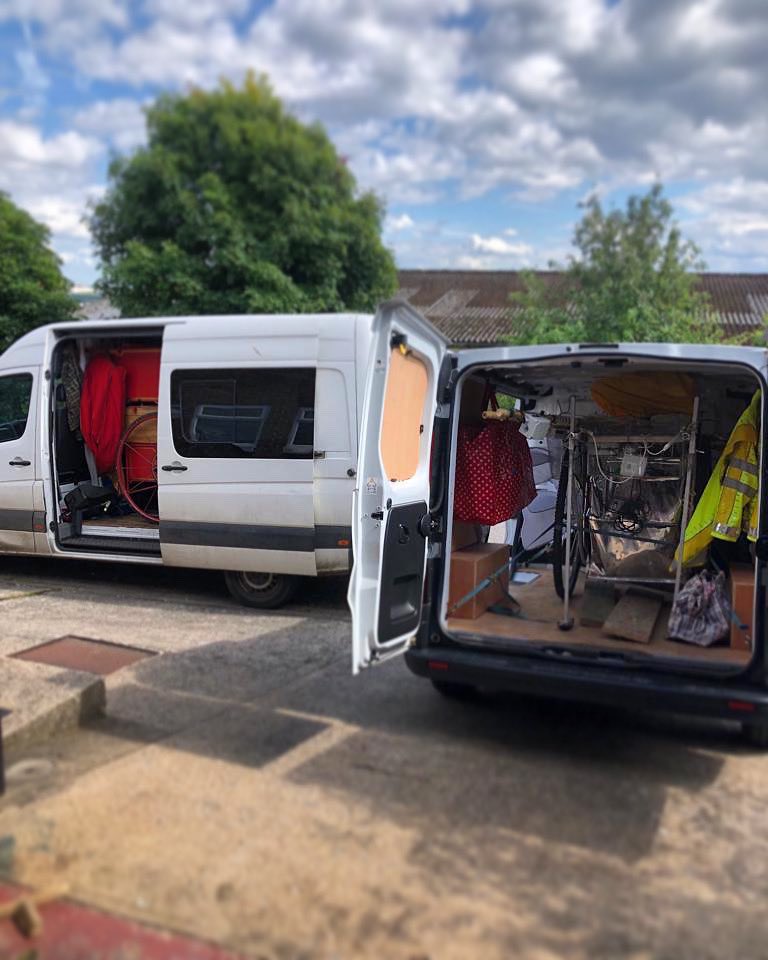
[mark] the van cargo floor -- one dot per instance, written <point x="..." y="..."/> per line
<point x="542" y="610"/>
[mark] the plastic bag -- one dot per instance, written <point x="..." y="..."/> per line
<point x="494" y="470"/>
<point x="702" y="612"/>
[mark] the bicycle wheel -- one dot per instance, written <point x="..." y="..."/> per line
<point x="577" y="531"/>
<point x="137" y="466"/>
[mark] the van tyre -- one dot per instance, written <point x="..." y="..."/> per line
<point x="560" y="533"/>
<point x="454" y="691"/>
<point x="756" y="734"/>
<point x="264" y="591"/>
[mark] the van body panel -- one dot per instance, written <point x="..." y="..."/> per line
<point x="728" y="700"/>
<point x="253" y="510"/>
<point x="754" y="357"/>
<point x="445" y="657"/>
<point x="19" y="388"/>
<point x="284" y="515"/>
<point x="391" y="500"/>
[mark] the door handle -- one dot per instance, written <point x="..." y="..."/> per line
<point x="18" y="462"/>
<point x="173" y="467"/>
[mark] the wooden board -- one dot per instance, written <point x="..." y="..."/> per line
<point x="402" y="426"/>
<point x="597" y="603"/>
<point x="543" y="611"/>
<point x="743" y="601"/>
<point x="633" y="618"/>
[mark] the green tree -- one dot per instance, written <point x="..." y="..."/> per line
<point x="235" y="206"/>
<point x="33" y="290"/>
<point x="631" y="280"/>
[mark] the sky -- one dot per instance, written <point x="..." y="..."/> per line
<point x="483" y="125"/>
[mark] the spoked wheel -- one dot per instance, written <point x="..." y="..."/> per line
<point x="137" y="466"/>
<point x="578" y="532"/>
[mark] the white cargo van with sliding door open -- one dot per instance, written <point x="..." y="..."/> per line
<point x="643" y="437"/>
<point x="227" y="443"/>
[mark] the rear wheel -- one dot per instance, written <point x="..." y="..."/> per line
<point x="577" y="533"/>
<point x="454" y="691"/>
<point x="756" y="734"/>
<point x="264" y="591"/>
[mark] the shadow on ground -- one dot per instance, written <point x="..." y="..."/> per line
<point x="571" y="773"/>
<point x="160" y="583"/>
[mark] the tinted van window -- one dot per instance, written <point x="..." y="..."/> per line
<point x="265" y="414"/>
<point x="15" y="395"/>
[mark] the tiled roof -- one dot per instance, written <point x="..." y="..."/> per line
<point x="472" y="306"/>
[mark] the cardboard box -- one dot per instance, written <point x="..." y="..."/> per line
<point x="464" y="535"/>
<point x="469" y="567"/>
<point x="147" y="432"/>
<point x="742" y="601"/>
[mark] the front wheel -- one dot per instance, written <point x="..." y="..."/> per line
<point x="561" y="533"/>
<point x="264" y="591"/>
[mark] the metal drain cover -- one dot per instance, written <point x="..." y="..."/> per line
<point x="81" y="653"/>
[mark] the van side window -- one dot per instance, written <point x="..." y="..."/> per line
<point x="262" y="414"/>
<point x="15" y="395"/>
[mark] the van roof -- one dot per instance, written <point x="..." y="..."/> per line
<point x="225" y="324"/>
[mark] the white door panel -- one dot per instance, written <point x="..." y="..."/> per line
<point x="392" y="495"/>
<point x="221" y="502"/>
<point x="18" y="416"/>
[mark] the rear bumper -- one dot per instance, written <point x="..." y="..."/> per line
<point x="593" y="684"/>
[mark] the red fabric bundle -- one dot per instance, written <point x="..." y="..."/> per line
<point x="494" y="471"/>
<point x="102" y="410"/>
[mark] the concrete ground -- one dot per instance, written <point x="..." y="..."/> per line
<point x="243" y="788"/>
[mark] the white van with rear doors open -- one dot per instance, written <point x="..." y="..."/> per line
<point x="642" y="434"/>
<point x="222" y="442"/>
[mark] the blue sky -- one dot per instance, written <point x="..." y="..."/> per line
<point x="482" y="125"/>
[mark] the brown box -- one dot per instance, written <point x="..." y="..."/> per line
<point x="469" y="567"/>
<point x="742" y="601"/>
<point x="147" y="432"/>
<point x="464" y="535"/>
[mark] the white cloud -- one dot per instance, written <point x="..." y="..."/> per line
<point x="401" y="222"/>
<point x="498" y="246"/>
<point x="25" y="146"/>
<point x="531" y="100"/>
<point x="52" y="178"/>
<point x="120" y="121"/>
<point x="195" y="13"/>
<point x="541" y="77"/>
<point x="729" y="219"/>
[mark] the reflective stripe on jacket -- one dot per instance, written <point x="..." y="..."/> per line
<point x="729" y="504"/>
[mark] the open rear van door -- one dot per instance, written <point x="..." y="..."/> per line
<point x="392" y="497"/>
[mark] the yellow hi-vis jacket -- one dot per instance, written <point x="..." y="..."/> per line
<point x="729" y="504"/>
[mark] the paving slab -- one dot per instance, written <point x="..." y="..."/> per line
<point x="44" y="700"/>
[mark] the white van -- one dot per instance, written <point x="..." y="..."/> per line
<point x="238" y="452"/>
<point x="533" y="634"/>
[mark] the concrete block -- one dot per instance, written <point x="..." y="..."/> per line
<point x="44" y="700"/>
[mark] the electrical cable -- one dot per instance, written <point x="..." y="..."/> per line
<point x="600" y="470"/>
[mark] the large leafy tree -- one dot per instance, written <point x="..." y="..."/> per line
<point x="631" y="280"/>
<point x="236" y="206"/>
<point x="33" y="290"/>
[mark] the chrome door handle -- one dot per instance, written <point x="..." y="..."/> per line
<point x="173" y="467"/>
<point x="18" y="462"/>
